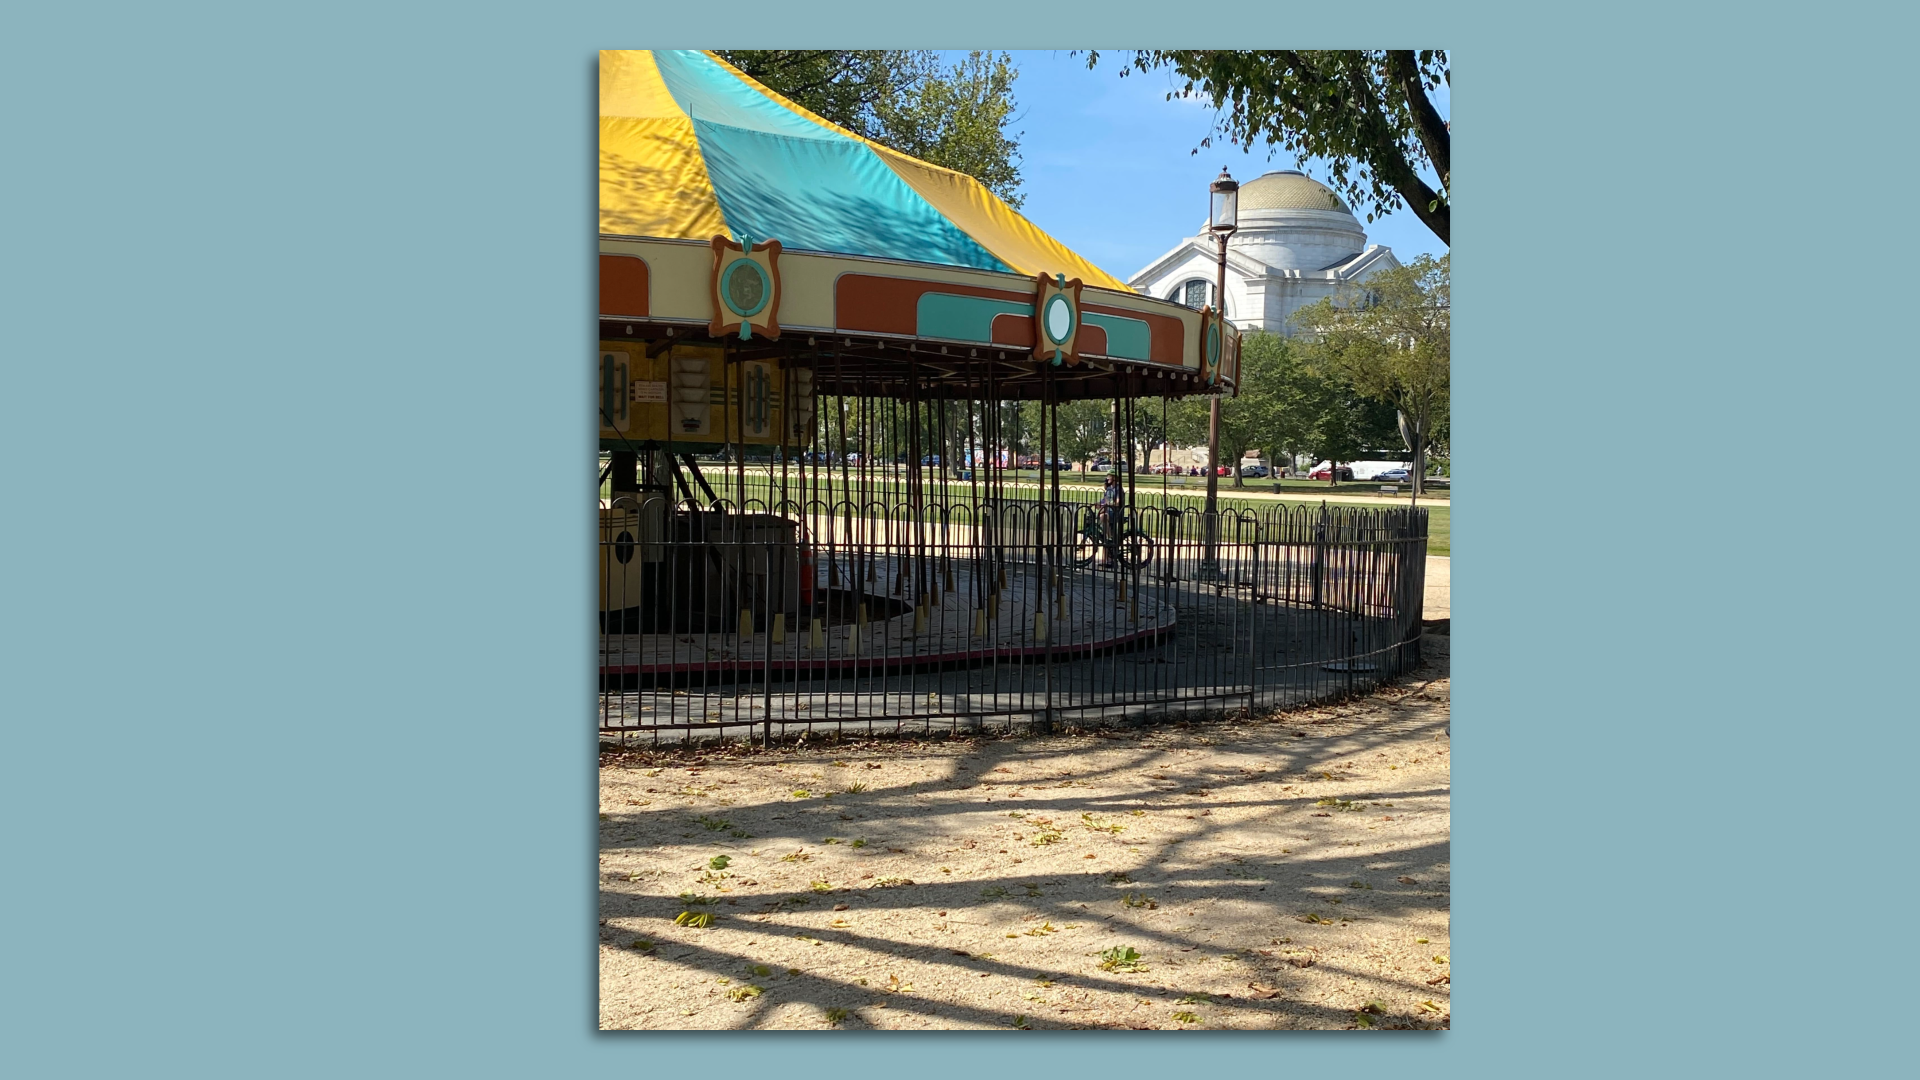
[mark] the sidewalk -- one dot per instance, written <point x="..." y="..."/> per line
<point x="1265" y="493"/>
<point x="1438" y="601"/>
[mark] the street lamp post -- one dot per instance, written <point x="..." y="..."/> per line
<point x="1222" y="218"/>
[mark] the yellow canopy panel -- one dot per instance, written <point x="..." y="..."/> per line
<point x="690" y="147"/>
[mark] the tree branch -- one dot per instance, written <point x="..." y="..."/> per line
<point x="1435" y="139"/>
<point x="1390" y="164"/>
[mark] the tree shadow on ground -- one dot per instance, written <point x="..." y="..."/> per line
<point x="1318" y="894"/>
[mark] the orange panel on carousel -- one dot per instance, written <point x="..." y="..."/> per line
<point x="625" y="288"/>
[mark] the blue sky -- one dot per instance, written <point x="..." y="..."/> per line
<point x="1106" y="164"/>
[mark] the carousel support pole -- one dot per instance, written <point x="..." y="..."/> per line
<point x="846" y="481"/>
<point x="1060" y="525"/>
<point x="975" y="601"/>
<point x="1050" y="423"/>
<point x="737" y="392"/>
<point x="1133" y="496"/>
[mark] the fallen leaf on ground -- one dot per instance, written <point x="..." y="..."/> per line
<point x="1264" y="993"/>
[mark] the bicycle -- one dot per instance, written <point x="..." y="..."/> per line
<point x="1131" y="548"/>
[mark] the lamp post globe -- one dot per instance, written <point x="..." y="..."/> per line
<point x="1223" y="215"/>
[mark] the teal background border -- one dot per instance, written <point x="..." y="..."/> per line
<point x="1129" y="338"/>
<point x="961" y="318"/>
<point x="296" y="660"/>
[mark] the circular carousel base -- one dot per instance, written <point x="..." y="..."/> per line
<point x="978" y="620"/>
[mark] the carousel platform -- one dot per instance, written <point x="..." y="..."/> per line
<point x="970" y="617"/>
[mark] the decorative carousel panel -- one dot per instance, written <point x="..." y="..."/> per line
<point x="746" y="289"/>
<point x="1212" y="344"/>
<point x="1057" y="315"/>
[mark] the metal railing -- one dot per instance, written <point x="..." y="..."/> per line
<point x="775" y="616"/>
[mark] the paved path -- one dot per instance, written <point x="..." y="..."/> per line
<point x="1265" y="494"/>
<point x="1438" y="601"/>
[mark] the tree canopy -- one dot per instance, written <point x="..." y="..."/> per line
<point x="1287" y="404"/>
<point x="1253" y="419"/>
<point x="1366" y="113"/>
<point x="1086" y="428"/>
<point x="1389" y="340"/>
<point x="954" y="117"/>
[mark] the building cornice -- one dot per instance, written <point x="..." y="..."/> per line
<point x="1204" y="248"/>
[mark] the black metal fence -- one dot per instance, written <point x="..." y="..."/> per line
<point x="767" y="616"/>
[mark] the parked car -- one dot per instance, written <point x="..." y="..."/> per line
<point x="1394" y="476"/>
<point x="1253" y="470"/>
<point x="1326" y="473"/>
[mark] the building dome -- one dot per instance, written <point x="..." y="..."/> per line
<point x="1289" y="189"/>
<point x="1290" y="221"/>
<point x="1296" y="244"/>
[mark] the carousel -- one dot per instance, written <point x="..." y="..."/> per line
<point x="822" y="367"/>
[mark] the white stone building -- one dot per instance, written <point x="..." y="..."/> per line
<point x="1296" y="243"/>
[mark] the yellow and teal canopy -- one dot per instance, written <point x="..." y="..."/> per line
<point x="691" y="148"/>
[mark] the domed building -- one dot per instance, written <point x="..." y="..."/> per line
<point x="1296" y="243"/>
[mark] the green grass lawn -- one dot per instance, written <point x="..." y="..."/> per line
<point x="1439" y="513"/>
<point x="1440" y="530"/>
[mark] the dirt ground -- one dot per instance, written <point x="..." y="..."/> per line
<point x="1288" y="871"/>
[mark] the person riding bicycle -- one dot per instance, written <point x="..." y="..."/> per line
<point x="1110" y="503"/>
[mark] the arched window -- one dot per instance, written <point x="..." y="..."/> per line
<point x="1196" y="293"/>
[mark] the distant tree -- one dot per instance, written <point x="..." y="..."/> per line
<point x="1278" y="408"/>
<point x="955" y="117"/>
<point x="1346" y="425"/>
<point x="1086" y="428"/>
<point x="1188" y="420"/>
<point x="1279" y="395"/>
<point x="1148" y="429"/>
<point x="1364" y="112"/>
<point x="1336" y="432"/>
<point x="1018" y="420"/>
<point x="1388" y="339"/>
<point x="1286" y="404"/>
